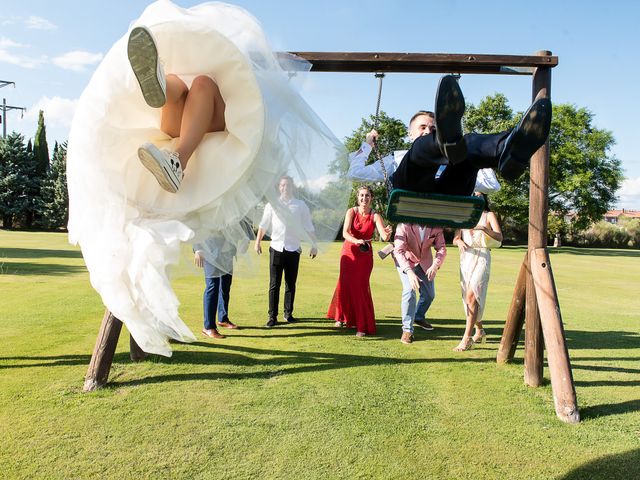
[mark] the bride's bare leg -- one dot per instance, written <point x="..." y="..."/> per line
<point x="202" y="112"/>
<point x="173" y="109"/>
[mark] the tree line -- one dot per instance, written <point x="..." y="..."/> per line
<point x="584" y="174"/>
<point x="33" y="185"/>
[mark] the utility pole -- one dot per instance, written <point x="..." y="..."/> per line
<point x="6" y="108"/>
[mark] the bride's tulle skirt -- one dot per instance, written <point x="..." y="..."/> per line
<point x="130" y="230"/>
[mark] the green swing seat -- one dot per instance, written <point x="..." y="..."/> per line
<point x="434" y="209"/>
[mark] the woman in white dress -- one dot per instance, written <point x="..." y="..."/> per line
<point x="216" y="132"/>
<point x="475" y="266"/>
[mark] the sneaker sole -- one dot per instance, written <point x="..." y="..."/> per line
<point x="143" y="57"/>
<point x="163" y="176"/>
<point x="531" y="134"/>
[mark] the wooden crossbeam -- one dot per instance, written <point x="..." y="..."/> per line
<point x="426" y="62"/>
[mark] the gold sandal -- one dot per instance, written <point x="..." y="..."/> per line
<point x="465" y="344"/>
<point x="480" y="336"/>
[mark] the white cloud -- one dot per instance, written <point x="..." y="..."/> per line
<point x="58" y="111"/>
<point x="630" y="193"/>
<point x="630" y="186"/>
<point x="7" y="54"/>
<point x="8" y="43"/>
<point x="77" y="60"/>
<point x="39" y="23"/>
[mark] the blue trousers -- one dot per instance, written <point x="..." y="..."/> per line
<point x="216" y="298"/>
<point x="409" y="308"/>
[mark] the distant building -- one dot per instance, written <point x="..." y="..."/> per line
<point x="613" y="216"/>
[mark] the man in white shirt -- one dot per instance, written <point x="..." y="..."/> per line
<point x="443" y="160"/>
<point x="284" y="222"/>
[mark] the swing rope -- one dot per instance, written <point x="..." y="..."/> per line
<point x="376" y="151"/>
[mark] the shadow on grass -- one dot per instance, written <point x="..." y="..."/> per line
<point x="607" y="339"/>
<point x="386" y="330"/>
<point x="38" y="253"/>
<point x="42" y="269"/>
<point x="606" y="409"/>
<point x="280" y="362"/>
<point x="595" y="252"/>
<point x="620" y="466"/>
<point x="51" y="361"/>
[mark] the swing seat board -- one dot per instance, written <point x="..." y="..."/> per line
<point x="434" y="209"/>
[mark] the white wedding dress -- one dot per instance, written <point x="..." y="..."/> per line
<point x="129" y="229"/>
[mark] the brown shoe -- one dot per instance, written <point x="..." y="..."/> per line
<point x="212" y="333"/>
<point x="406" y="338"/>
<point x="227" y="324"/>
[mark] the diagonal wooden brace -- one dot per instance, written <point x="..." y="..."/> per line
<point x="515" y="316"/>
<point x="564" y="393"/>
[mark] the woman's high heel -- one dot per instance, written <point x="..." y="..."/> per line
<point x="465" y="344"/>
<point x="480" y="336"/>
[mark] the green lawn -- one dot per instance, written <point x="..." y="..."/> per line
<point x="307" y="401"/>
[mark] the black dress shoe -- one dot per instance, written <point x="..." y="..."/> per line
<point x="271" y="323"/>
<point x="449" y="111"/>
<point x="291" y="319"/>
<point x="525" y="139"/>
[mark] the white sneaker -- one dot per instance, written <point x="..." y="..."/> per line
<point x="164" y="165"/>
<point x="144" y="60"/>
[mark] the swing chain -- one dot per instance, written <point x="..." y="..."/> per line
<point x="387" y="181"/>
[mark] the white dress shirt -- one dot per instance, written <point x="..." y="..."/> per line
<point x="285" y="235"/>
<point x="372" y="173"/>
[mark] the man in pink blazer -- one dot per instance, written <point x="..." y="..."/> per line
<point x="417" y="269"/>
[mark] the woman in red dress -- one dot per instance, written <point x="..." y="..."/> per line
<point x="352" y="305"/>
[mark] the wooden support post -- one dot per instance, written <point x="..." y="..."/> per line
<point x="564" y="393"/>
<point x="103" y="352"/>
<point x="515" y="316"/>
<point x="533" y="341"/>
<point x="135" y="352"/>
<point x="538" y="212"/>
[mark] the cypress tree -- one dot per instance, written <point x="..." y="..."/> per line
<point x="40" y="147"/>
<point x="17" y="181"/>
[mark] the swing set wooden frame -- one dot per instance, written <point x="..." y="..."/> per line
<point x="535" y="300"/>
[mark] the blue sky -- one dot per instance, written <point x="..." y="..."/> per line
<point x="50" y="49"/>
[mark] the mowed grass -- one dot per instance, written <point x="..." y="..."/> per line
<point x="306" y="400"/>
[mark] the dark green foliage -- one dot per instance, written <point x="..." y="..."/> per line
<point x="19" y="185"/>
<point x="584" y="175"/>
<point x="40" y="147"/>
<point x="54" y="205"/>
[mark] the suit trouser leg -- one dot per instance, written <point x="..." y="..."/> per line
<point x="210" y="302"/>
<point x="483" y="150"/>
<point x="223" y="300"/>
<point x="418" y="168"/>
<point x="275" y="280"/>
<point x="290" y="277"/>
